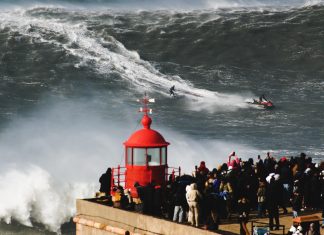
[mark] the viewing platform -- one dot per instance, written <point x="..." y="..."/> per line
<point x="95" y="218"/>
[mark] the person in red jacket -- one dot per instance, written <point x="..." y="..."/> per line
<point x="202" y="169"/>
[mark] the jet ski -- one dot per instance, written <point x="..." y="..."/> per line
<point x="267" y="104"/>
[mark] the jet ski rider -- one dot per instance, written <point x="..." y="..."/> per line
<point x="262" y="98"/>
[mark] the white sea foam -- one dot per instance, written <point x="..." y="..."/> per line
<point x="127" y="64"/>
<point x="29" y="193"/>
<point x="313" y="2"/>
<point x="45" y="164"/>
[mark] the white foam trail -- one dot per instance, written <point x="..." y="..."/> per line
<point x="232" y="4"/>
<point x="125" y="63"/>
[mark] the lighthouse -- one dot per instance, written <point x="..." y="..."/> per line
<point x="146" y="154"/>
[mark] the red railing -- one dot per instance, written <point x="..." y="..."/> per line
<point x="173" y="172"/>
<point x="118" y="176"/>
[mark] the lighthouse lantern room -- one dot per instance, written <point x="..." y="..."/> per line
<point x="146" y="154"/>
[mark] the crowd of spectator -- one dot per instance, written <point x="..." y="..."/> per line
<point x="232" y="191"/>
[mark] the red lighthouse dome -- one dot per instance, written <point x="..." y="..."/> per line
<point x="146" y="137"/>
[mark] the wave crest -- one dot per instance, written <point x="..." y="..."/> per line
<point x="31" y="194"/>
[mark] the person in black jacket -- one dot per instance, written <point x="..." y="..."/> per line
<point x="105" y="182"/>
<point x="157" y="200"/>
<point x="315" y="191"/>
<point x="272" y="200"/>
<point x="141" y="206"/>
<point x="149" y="192"/>
<point x="179" y="203"/>
<point x="286" y="179"/>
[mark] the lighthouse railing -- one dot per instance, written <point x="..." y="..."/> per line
<point x="118" y="176"/>
<point x="172" y="172"/>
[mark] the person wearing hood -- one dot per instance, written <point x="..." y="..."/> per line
<point x="193" y="197"/>
<point x="105" y="182"/>
<point x="202" y="169"/>
<point x="188" y="188"/>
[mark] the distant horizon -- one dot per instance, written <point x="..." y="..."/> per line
<point x="165" y="4"/>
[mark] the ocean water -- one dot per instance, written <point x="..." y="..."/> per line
<point x="71" y="72"/>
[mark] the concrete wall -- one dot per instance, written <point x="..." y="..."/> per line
<point x="85" y="229"/>
<point x="96" y="219"/>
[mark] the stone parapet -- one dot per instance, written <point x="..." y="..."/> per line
<point x="96" y="219"/>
